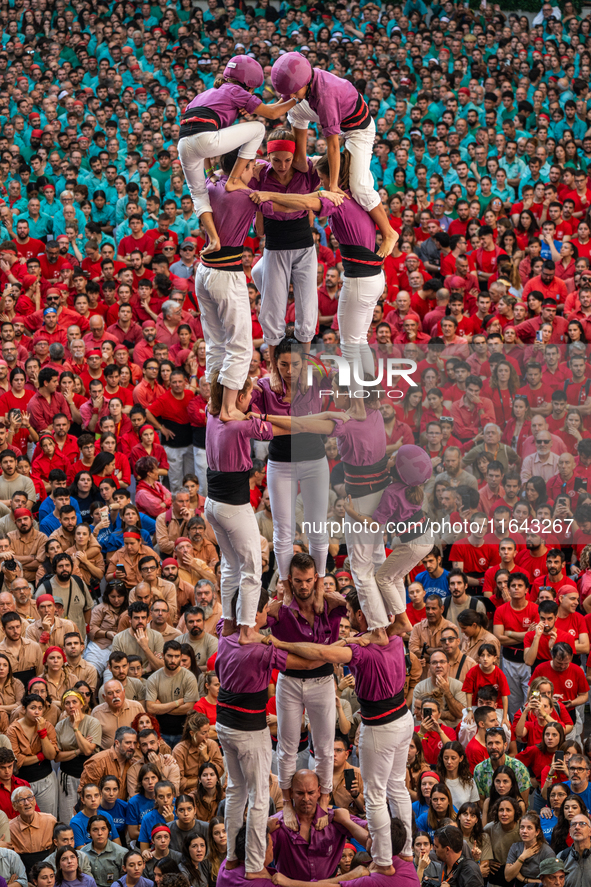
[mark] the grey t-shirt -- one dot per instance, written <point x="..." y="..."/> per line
<point x="531" y="866"/>
<point x="178" y="837"/>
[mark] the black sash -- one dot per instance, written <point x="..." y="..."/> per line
<point x="194" y="120"/>
<point x="230" y="487"/>
<point x="242" y="711"/>
<point x="227" y="258"/>
<point x="382" y="711"/>
<point x="358" y="261"/>
<point x="289" y="234"/>
<point x="359" y="119"/>
<point x="361" y="480"/>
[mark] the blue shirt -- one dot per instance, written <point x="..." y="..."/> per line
<point x="118" y="814"/>
<point x="435" y="586"/>
<point x="586" y="795"/>
<point x="137" y="807"/>
<point x="47" y="507"/>
<point x="80" y="828"/>
<point x="148" y="822"/>
<point x="50" y="522"/>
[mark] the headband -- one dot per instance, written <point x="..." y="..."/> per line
<point x="567" y="589"/>
<point x="160" y="828"/>
<point x="181" y="539"/>
<point x="44" y="599"/>
<point x="36" y="681"/>
<point x="430" y="773"/>
<point x="170" y="562"/>
<point x="53" y="650"/>
<point x="129" y="535"/>
<point x="23" y="512"/>
<point x="350" y="847"/>
<point x="76" y="694"/>
<point x="281" y="145"/>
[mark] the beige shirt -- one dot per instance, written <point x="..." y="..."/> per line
<point x="24" y="657"/>
<point x="428" y="688"/>
<point x="168" y="530"/>
<point x="84" y="671"/>
<point x="32" y="837"/>
<point x="110" y="721"/>
<point x="203" y="647"/>
<point x="134" y="689"/>
<point x="169" y="634"/>
<point x="126" y="642"/>
<point x="22" y="746"/>
<point x="169" y="769"/>
<point x="422" y="634"/>
<point x="60" y="628"/>
<point x="12" y="692"/>
<point x="190" y="759"/>
<point x="89" y="727"/>
<point x="29" y="552"/>
<point x="105" y="763"/>
<point x="162" y="591"/>
<point x="102" y="618"/>
<point x="472" y="645"/>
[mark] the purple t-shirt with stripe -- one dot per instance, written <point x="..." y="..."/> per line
<point x="301" y="183"/>
<point x="246" y="668"/>
<point x="227" y="444"/>
<point x="380" y="672"/>
<point x="233" y="212"/>
<point x="226" y="101"/>
<point x="361" y="441"/>
<point x="333" y="99"/>
<point x="350" y="223"/>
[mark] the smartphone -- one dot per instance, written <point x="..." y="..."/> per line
<point x="558" y="756"/>
<point x="427" y="712"/>
<point x="120" y="567"/>
<point x="424" y="651"/>
<point x="346" y="671"/>
<point x="350" y="777"/>
<point x="580" y="484"/>
<point x="539" y="336"/>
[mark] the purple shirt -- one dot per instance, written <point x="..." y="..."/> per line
<point x="380" y="672"/>
<point x="246" y="669"/>
<point x="350" y="223"/>
<point x="394" y="506"/>
<point x="405" y="875"/>
<point x="233" y="212"/>
<point x="226" y="102"/>
<point x="227" y="444"/>
<point x="361" y="441"/>
<point x="315" y="860"/>
<point x="237" y="878"/>
<point x="307" y="404"/>
<point x="291" y="626"/>
<point x="301" y="183"/>
<point x="333" y="99"/>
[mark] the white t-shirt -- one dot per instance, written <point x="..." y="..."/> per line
<point x="461" y="793"/>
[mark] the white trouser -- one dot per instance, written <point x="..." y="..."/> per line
<point x="316" y="696"/>
<point x="237" y="534"/>
<point x="67" y="800"/>
<point x="181" y="462"/>
<point x="390" y="578"/>
<point x="227" y="325"/>
<point x="357" y="299"/>
<point x="248" y="762"/>
<point x="200" y="463"/>
<point x="366" y="556"/>
<point x="195" y="149"/>
<point x="272" y="276"/>
<point x="518" y="676"/>
<point x="97" y="657"/>
<point x="359" y="143"/>
<point x="382" y="754"/>
<point x="45" y="791"/>
<point x="313" y="478"/>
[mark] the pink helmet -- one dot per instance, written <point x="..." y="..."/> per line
<point x="413" y="465"/>
<point x="290" y="72"/>
<point x="245" y="70"/>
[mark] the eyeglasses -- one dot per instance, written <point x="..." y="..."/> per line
<point x="25" y="800"/>
<point x="580" y="825"/>
<point x="148" y="568"/>
<point x="577" y="769"/>
<point x="543" y="441"/>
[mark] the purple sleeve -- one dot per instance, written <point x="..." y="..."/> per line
<point x="241" y="98"/>
<point x="327" y="207"/>
<point x="339" y="428"/>
<point x="328" y="112"/>
<point x="278" y="660"/>
<point x="385" y="509"/>
<point x="259" y="430"/>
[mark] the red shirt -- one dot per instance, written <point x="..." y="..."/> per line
<point x="535" y="566"/>
<point x="515" y="620"/>
<point x="168" y="407"/>
<point x="415" y="616"/>
<point x="476" y="753"/>
<point x="476" y="678"/>
<point x="544" y="644"/>
<point x="206" y="708"/>
<point x="475" y="560"/>
<point x="144" y="243"/>
<point x="5" y="802"/>
<point x="544" y="580"/>
<point x="574" y="624"/>
<point x="489" y="576"/>
<point x="567" y="684"/>
<point x="30" y="249"/>
<point x="433" y="743"/>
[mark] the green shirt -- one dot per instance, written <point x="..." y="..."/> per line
<point x="483" y="775"/>
<point x="105" y="866"/>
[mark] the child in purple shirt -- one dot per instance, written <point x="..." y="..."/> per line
<point x="207" y="131"/>
<point x="338" y="107"/>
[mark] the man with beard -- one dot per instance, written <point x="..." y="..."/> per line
<point x="160" y="589"/>
<point x="185" y="595"/>
<point x="66" y="532"/>
<point x="25" y="605"/>
<point x="204" y="645"/>
<point x="205" y="597"/>
<point x="191" y="568"/>
<point x="25" y="655"/>
<point x="144" y="350"/>
<point x="149" y="744"/>
<point x="118" y="668"/>
<point x="484" y="772"/>
<point x="73" y="591"/>
<point x="171" y="693"/>
<point x="27" y="543"/>
<point x="139" y="639"/>
<point x="115" y="761"/>
<point x="50" y="629"/>
<point x="173" y="523"/>
<point x="533" y="559"/>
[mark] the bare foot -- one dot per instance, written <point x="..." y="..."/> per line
<point x="231" y="864"/>
<point x="249" y="635"/>
<point x="361" y="641"/>
<point x="388" y="244"/>
<point x="290" y="819"/>
<point x="378" y="636"/>
<point x="383" y="869"/>
<point x="229" y="628"/>
<point x="234" y="415"/>
<point x="275" y="381"/>
<point x="236" y="184"/>
<point x="319" y="596"/>
<point x="323" y="803"/>
<point x="253" y="876"/>
<point x="212" y="247"/>
<point x="401" y="625"/>
<point x="406" y="858"/>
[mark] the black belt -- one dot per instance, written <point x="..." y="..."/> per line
<point x="195" y="120"/>
<point x="361" y="480"/>
<point x="382" y="711"/>
<point x="422" y="524"/>
<point x="227" y="258"/>
<point x="359" y="261"/>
